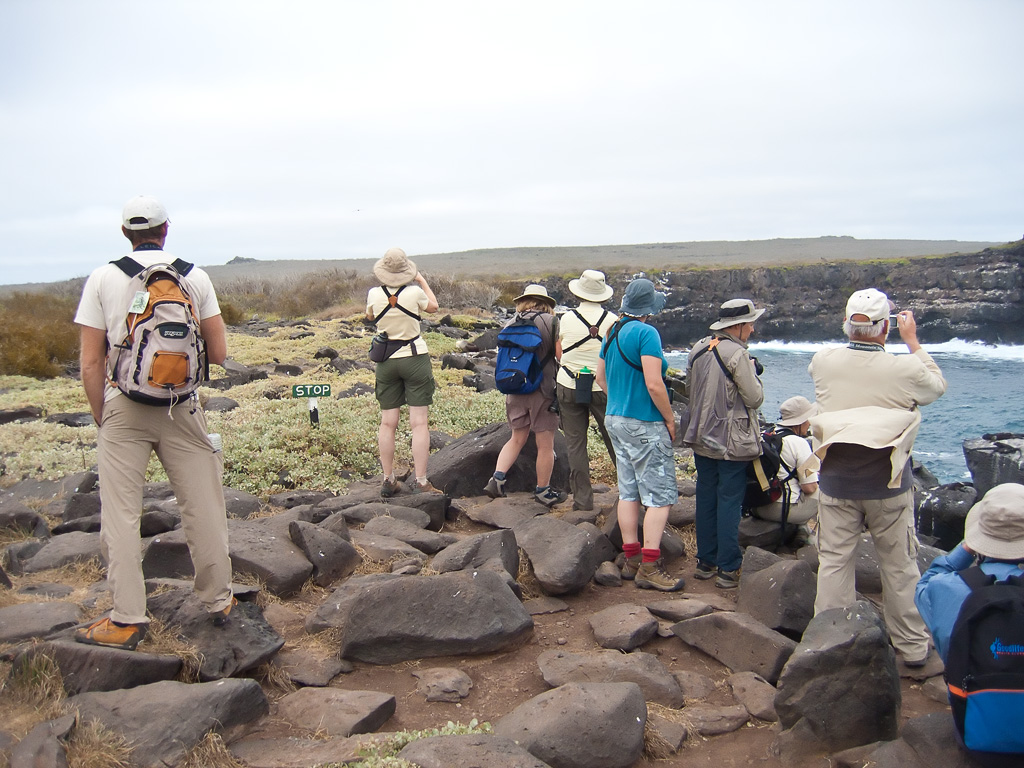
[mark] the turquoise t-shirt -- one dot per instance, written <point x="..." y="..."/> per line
<point x="627" y="390"/>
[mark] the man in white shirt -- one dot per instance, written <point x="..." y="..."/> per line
<point x="129" y="432"/>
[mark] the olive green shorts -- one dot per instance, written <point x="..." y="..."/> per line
<point x="404" y="380"/>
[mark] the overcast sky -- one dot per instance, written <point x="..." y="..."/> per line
<point x="334" y="129"/>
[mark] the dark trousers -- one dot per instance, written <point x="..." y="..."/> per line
<point x="575" y="423"/>
<point x="721" y="485"/>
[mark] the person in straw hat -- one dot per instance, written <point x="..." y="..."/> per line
<point x="535" y="412"/>
<point x="723" y="433"/>
<point x="993" y="539"/>
<point x="799" y="465"/>
<point x="405" y="376"/>
<point x="580" y="333"/>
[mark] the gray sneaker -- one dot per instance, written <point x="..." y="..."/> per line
<point x="549" y="496"/>
<point x="703" y="571"/>
<point x="389" y="488"/>
<point x="728" y="579"/>
<point x="495" y="487"/>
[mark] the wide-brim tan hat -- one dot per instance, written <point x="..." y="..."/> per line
<point x="734" y="312"/>
<point x="590" y="286"/>
<point x="534" y="291"/>
<point x="995" y="525"/>
<point x="395" y="269"/>
<point x="796" y="411"/>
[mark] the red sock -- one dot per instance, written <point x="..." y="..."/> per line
<point x="631" y="550"/>
<point x="650" y="555"/>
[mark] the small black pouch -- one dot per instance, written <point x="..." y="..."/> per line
<point x="584" y="388"/>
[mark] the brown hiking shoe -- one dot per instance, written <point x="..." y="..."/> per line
<point x="427" y="487"/>
<point x="654" y="576"/>
<point x="629" y="566"/>
<point x="220" y="618"/>
<point x="110" y="635"/>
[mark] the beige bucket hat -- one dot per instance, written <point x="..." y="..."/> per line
<point x="394" y="269"/>
<point x="590" y="286"/>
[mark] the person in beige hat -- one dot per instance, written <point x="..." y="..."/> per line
<point x="869" y="402"/>
<point x="799" y="468"/>
<point x="404" y="376"/>
<point x="723" y="433"/>
<point x="580" y="333"/>
<point x="534" y="412"/>
<point x="993" y="540"/>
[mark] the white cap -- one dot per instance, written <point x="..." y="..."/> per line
<point x="143" y="212"/>
<point x="870" y="302"/>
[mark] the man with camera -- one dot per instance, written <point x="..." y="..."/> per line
<point x="724" y="434"/>
<point x="864" y="434"/>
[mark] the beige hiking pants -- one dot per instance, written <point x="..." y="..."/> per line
<point x="129" y="433"/>
<point x="891" y="524"/>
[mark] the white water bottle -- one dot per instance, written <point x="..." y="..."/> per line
<point x="215" y="441"/>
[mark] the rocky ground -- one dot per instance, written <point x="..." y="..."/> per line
<point x="500" y="681"/>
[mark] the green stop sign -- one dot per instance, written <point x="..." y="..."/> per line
<point x="311" y="390"/>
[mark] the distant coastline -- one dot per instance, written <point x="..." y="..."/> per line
<point x="537" y="262"/>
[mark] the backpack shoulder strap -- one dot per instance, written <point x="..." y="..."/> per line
<point x="595" y="330"/>
<point x="182" y="266"/>
<point x="613" y="334"/>
<point x="975" y="578"/>
<point x="393" y="302"/>
<point x="128" y="265"/>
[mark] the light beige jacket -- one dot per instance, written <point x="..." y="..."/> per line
<point x="872" y="399"/>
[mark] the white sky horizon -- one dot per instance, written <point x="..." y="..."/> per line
<point x="333" y="130"/>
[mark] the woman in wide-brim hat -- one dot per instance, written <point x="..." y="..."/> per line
<point x="405" y="377"/>
<point x="534" y="412"/>
<point x="580" y="333"/>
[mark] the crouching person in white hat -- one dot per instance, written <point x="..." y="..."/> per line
<point x="799" y="468"/>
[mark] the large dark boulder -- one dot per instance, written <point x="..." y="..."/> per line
<point x="463" y="467"/>
<point x="995" y="459"/>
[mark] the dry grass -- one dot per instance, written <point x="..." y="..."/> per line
<point x="32" y="693"/>
<point x="211" y="752"/>
<point x="655" y="747"/>
<point x="80" y="576"/>
<point x="94" y="746"/>
<point x="526" y="578"/>
<point x="162" y="640"/>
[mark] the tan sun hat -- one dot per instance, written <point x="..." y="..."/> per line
<point x="590" y="286"/>
<point x="796" y="411"/>
<point x="734" y="312"/>
<point x="394" y="269"/>
<point x="995" y="525"/>
<point x="534" y="291"/>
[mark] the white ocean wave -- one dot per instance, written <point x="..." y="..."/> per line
<point x="955" y="347"/>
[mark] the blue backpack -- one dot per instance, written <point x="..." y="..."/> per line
<point x="985" y="665"/>
<point x="519" y="369"/>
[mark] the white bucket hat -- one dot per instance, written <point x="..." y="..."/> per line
<point x="394" y="269"/>
<point x="590" y="286"/>
<point x="734" y="312"/>
<point x="796" y="411"/>
<point x="995" y="525"/>
<point x="534" y="291"/>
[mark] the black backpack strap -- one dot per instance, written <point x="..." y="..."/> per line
<point x="975" y="578"/>
<point x="128" y="265"/>
<point x="713" y="347"/>
<point x="595" y="333"/>
<point x="613" y="335"/>
<point x="390" y="295"/>
<point x="131" y="267"/>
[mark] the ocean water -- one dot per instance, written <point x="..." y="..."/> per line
<point x="985" y="394"/>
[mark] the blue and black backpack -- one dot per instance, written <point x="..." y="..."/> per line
<point x="519" y="369"/>
<point x="985" y="665"/>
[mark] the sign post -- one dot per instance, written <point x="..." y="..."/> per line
<point x="311" y="392"/>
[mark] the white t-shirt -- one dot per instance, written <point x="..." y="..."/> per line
<point x="396" y="323"/>
<point x="796" y="453"/>
<point x="571" y="330"/>
<point x="105" y="299"/>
